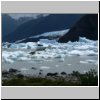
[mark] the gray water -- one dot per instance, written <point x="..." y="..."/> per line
<point x="70" y="63"/>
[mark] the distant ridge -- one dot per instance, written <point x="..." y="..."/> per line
<point x="53" y="22"/>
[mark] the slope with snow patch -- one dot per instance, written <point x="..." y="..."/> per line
<point x="47" y="35"/>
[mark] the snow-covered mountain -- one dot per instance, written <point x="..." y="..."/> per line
<point x="52" y="22"/>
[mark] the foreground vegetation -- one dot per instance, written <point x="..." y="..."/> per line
<point x="13" y="77"/>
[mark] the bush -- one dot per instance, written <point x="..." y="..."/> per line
<point x="90" y="78"/>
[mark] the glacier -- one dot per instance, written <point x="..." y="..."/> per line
<point x="54" y="33"/>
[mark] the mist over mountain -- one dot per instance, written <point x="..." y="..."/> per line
<point x="17" y="16"/>
<point x="52" y="22"/>
<point x="87" y="27"/>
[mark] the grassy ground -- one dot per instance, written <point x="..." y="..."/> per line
<point x="15" y="78"/>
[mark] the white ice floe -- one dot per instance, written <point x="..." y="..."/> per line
<point x="23" y="58"/>
<point x="28" y="45"/>
<point x="83" y="53"/>
<point x="57" y="65"/>
<point x="90" y="61"/>
<point x="10" y="57"/>
<point x="46" y="42"/>
<point x="24" y="69"/>
<point x="44" y="67"/>
<point x="84" y="62"/>
<point x="47" y="49"/>
<point x="69" y="64"/>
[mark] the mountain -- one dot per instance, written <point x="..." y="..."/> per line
<point x="8" y="24"/>
<point x="52" y="22"/>
<point x="22" y="20"/>
<point x="87" y="27"/>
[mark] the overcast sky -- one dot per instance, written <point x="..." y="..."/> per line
<point x="17" y="16"/>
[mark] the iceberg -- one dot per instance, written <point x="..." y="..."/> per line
<point x="47" y="49"/>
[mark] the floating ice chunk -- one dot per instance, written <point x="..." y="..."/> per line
<point x="24" y="69"/>
<point x="60" y="56"/>
<point x="76" y="52"/>
<point x="69" y="64"/>
<point x="5" y="57"/>
<point x="7" y="60"/>
<point x="44" y="67"/>
<point x="6" y="45"/>
<point x="18" y="46"/>
<point x="57" y="65"/>
<point x="83" y="62"/>
<point x="46" y="42"/>
<point x="13" y="56"/>
<point x="82" y="47"/>
<point x="83" y="39"/>
<point x="31" y="45"/>
<point x="23" y="58"/>
<point x="91" y="61"/>
<point x="28" y="45"/>
<point x="83" y="53"/>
